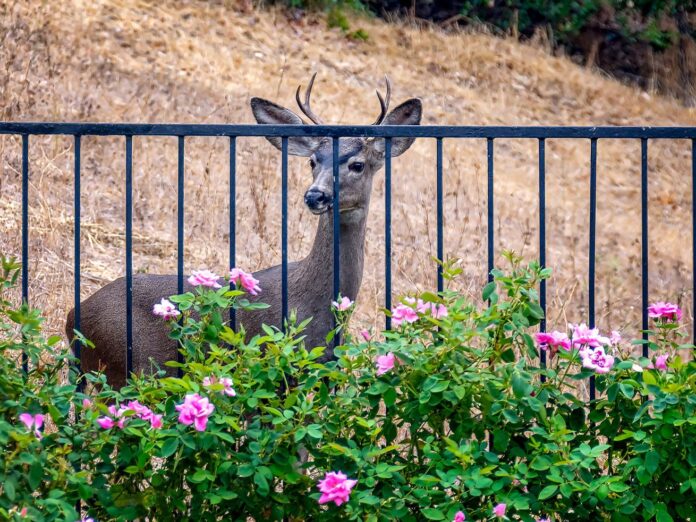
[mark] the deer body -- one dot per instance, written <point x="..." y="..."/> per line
<point x="310" y="281"/>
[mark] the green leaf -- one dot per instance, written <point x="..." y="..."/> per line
<point x="300" y="434"/>
<point x="246" y="470"/>
<point x="262" y="483"/>
<point x="10" y="489"/>
<point x="520" y="387"/>
<point x="536" y="311"/>
<point x="652" y="461"/>
<point x="199" y="476"/>
<point x="541" y="463"/>
<point x="432" y="513"/>
<point x="547" y="492"/>
<point x="648" y="377"/>
<point x="618" y="487"/>
<point x="661" y="514"/>
<point x="627" y="390"/>
<point x="225" y="436"/>
<point x="488" y="290"/>
<point x="35" y="474"/>
<point x="169" y="447"/>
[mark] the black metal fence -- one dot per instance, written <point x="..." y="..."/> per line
<point x="335" y="132"/>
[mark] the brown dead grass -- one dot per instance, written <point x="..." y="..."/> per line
<point x="199" y="62"/>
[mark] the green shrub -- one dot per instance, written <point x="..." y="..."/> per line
<point x="448" y="412"/>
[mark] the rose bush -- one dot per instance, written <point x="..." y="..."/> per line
<point x="448" y="416"/>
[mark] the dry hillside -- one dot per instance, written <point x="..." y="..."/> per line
<point x="130" y="60"/>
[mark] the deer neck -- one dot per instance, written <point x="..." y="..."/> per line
<point x="318" y="265"/>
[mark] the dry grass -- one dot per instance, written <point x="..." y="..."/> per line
<point x="128" y="60"/>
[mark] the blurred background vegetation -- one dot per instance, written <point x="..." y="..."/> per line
<point x="647" y="42"/>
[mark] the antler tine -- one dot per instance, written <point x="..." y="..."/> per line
<point x="305" y="107"/>
<point x="384" y="104"/>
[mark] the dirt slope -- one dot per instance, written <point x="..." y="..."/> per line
<point x="128" y="60"/>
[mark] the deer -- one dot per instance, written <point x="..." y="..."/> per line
<point x="309" y="281"/>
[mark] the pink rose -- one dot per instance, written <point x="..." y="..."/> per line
<point x="365" y="334"/>
<point x="246" y="280"/>
<point x="106" y="423"/>
<point x="119" y="417"/>
<point x="597" y="360"/>
<point x="204" y="278"/>
<point x="553" y="340"/>
<point x="166" y="310"/>
<point x="499" y="510"/>
<point x="86" y="404"/>
<point x="615" y="337"/>
<point x="666" y="311"/>
<point x="343" y="305"/>
<point x="385" y="363"/>
<point x="335" y="487"/>
<point x="661" y="362"/>
<point x="585" y="336"/>
<point x="421" y="307"/>
<point x="438" y="311"/>
<point x="403" y="314"/>
<point x="227" y="387"/>
<point x="195" y="410"/>
<point x="226" y="382"/>
<point x="33" y="422"/>
<point x="459" y="517"/>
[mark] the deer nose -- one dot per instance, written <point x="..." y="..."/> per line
<point x="316" y="199"/>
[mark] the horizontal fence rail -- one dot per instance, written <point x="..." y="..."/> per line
<point x="335" y="133"/>
<point x="344" y="131"/>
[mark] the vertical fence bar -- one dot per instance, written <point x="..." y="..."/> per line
<point x="644" y="236"/>
<point x="129" y="255"/>
<point x="491" y="237"/>
<point x="233" y="217"/>
<point x="180" y="229"/>
<point x="440" y="224"/>
<point x="77" y="347"/>
<point x="542" y="240"/>
<point x="284" y="231"/>
<point x="25" y="231"/>
<point x="592" y="246"/>
<point x="336" y="223"/>
<point x="180" y="216"/>
<point x="491" y="207"/>
<point x="387" y="228"/>
<point x="336" y="230"/>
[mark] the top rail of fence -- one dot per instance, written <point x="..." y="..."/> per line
<point x="343" y="131"/>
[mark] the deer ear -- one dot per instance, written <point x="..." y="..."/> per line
<point x="408" y="113"/>
<point x="269" y="113"/>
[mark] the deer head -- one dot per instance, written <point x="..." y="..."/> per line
<point x="359" y="158"/>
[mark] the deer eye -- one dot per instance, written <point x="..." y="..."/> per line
<point x="312" y="163"/>
<point x="356" y="166"/>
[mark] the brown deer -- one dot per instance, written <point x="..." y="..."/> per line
<point x="310" y="281"/>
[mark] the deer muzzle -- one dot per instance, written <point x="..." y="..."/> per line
<point x="318" y="201"/>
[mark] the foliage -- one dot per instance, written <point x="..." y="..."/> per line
<point x="448" y="412"/>
<point x="632" y="20"/>
<point x="38" y="474"/>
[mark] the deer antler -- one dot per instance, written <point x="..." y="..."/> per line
<point x="384" y="104"/>
<point x="305" y="107"/>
